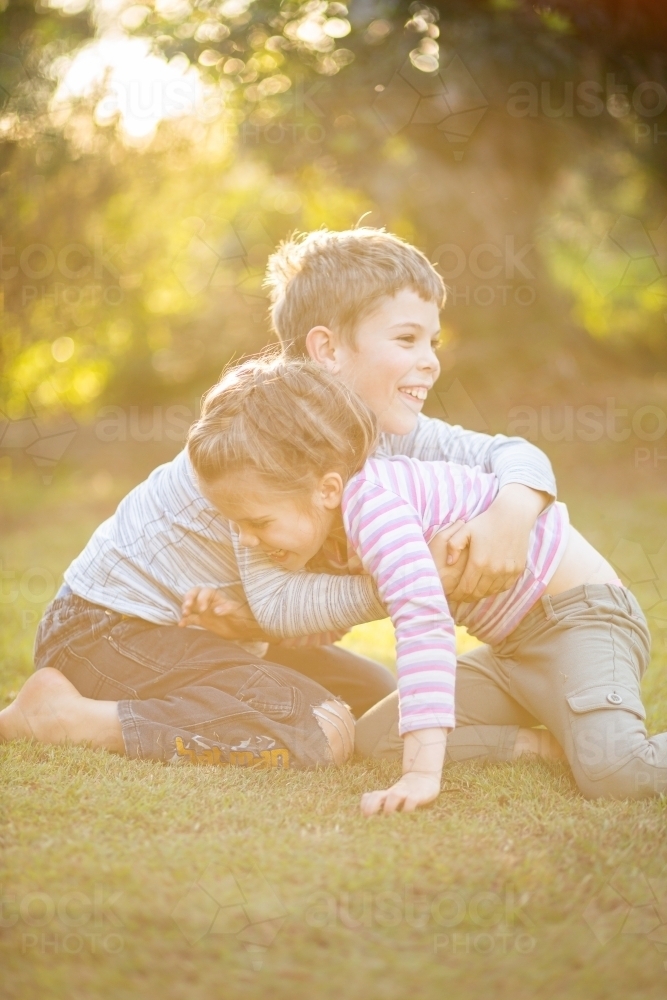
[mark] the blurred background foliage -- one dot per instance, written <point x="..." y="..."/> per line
<point x="152" y="155"/>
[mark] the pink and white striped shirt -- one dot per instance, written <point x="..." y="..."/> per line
<point x="391" y="510"/>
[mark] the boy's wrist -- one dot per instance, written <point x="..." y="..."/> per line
<point x="525" y="497"/>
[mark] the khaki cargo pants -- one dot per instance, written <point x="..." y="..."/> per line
<point x="574" y="665"/>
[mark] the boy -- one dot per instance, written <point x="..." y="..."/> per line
<point x="370" y="312"/>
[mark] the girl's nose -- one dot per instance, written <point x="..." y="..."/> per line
<point x="247" y="539"/>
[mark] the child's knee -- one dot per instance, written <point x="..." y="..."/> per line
<point x="377" y="733"/>
<point x="337" y="723"/>
<point x="634" y="780"/>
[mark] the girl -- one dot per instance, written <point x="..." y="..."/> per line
<point x="282" y="449"/>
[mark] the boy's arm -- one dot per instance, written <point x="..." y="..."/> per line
<point x="304" y="604"/>
<point x="511" y="459"/>
<point x="487" y="555"/>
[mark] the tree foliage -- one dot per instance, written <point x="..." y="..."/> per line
<point x="522" y="146"/>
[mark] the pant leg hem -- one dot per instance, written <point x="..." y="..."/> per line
<point x="507" y="744"/>
<point x="130" y="730"/>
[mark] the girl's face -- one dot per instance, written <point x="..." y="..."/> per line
<point x="291" y="530"/>
<point x="391" y="362"/>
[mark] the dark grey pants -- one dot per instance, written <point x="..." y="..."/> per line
<point x="185" y="695"/>
<point x="574" y="665"/>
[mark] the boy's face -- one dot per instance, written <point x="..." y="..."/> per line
<point x="391" y="361"/>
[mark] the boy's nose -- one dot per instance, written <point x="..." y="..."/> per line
<point x="432" y="360"/>
<point x="429" y="362"/>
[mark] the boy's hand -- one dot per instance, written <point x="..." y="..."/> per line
<point x="494" y="545"/>
<point x="412" y="790"/>
<point x="210" y="609"/>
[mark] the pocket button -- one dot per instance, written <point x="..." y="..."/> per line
<point x="614" y="698"/>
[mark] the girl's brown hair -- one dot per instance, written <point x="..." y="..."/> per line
<point x="289" y="421"/>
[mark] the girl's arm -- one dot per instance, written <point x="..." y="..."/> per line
<point x="387" y="534"/>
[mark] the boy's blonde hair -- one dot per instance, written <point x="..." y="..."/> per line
<point x="334" y="279"/>
<point x="289" y="421"/>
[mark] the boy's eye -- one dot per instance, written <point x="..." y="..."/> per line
<point x="407" y="338"/>
<point x="436" y="344"/>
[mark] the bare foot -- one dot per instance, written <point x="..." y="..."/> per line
<point x="49" y="709"/>
<point x="337" y="724"/>
<point x="538" y="741"/>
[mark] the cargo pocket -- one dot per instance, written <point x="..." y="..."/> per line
<point x="607" y="720"/>
<point x="266" y="695"/>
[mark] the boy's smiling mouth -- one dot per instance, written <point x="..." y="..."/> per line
<point x="416" y="392"/>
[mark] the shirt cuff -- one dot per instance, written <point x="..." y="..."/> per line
<point x="541" y="483"/>
<point x="427" y="720"/>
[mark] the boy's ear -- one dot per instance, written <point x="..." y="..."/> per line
<point x="321" y="343"/>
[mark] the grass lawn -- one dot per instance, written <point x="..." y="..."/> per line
<point x="123" y="878"/>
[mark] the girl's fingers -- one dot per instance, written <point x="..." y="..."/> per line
<point x="386" y="801"/>
<point x="394" y="801"/>
<point x="372" y="802"/>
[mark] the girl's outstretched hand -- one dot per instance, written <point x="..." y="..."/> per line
<point x="423" y="757"/>
<point x="412" y="790"/>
